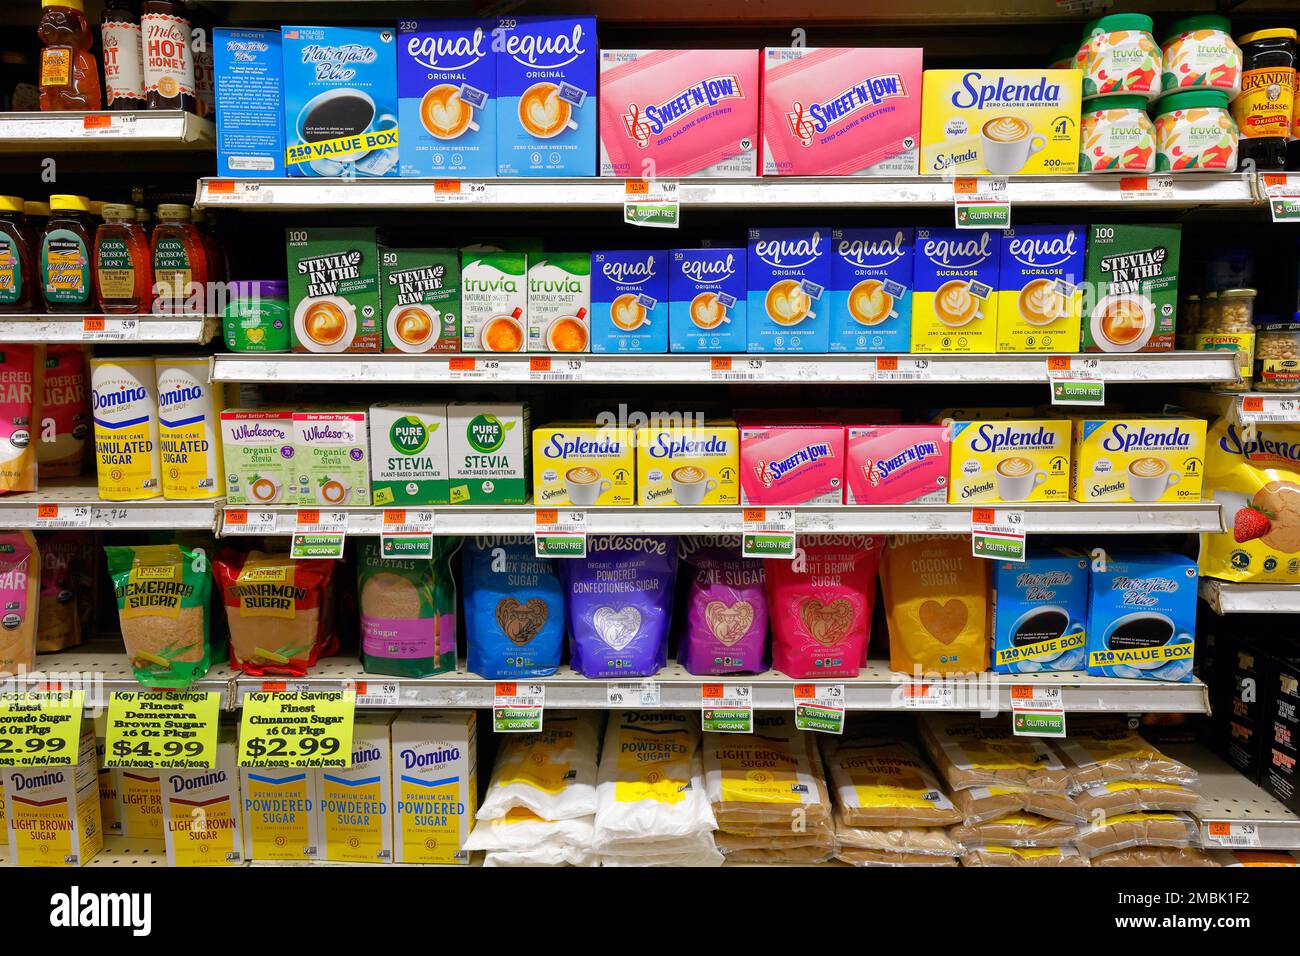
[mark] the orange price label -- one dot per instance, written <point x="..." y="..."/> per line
<point x="965" y="185"/>
<point x="1058" y="363"/>
<point x="887" y="363"/>
<point x="93" y="323"/>
<point x="711" y="692"/>
<point x="547" y="516"/>
<point x="47" y="511"/>
<point x="236" y="516"/>
<point x="539" y="364"/>
<point x="308" y="517"/>
<point x="720" y="363"/>
<point x="96" y="121"/>
<point x="444" y="187"/>
<point x="461" y="364"/>
<point x="1220" y="828"/>
<point x="755" y="515"/>
<point x="274" y="687"/>
<point x="805" y="691"/>
<point x="1022" y="692"/>
<point x="1271" y="179"/>
<point x="1252" y="403"/>
<point x="505" y="689"/>
<point x="221" y="187"/>
<point x="982" y="515"/>
<point x="637" y="187"/>
<point x="1129" y="184"/>
<point x="395" y="516"/>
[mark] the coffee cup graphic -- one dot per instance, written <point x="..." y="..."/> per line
<point x="1123" y="323"/>
<point x="542" y="113"/>
<point x="264" y="489"/>
<point x="707" y="312"/>
<point x="870" y="304"/>
<point x="336" y="113"/>
<point x="503" y="333"/>
<point x="585" y="485"/>
<point x="627" y="313"/>
<point x="1046" y="622"/>
<point x="443" y="113"/>
<point x="1141" y="630"/>
<point x="568" y="333"/>
<point x="1008" y="142"/>
<point x="1017" y="478"/>
<point x="955" y="305"/>
<point x="1149" y="478"/>
<point x="411" y="328"/>
<point x="333" y="491"/>
<point x="690" y="484"/>
<point x="325" y="323"/>
<point x="787" y="303"/>
<point x="1041" y="303"/>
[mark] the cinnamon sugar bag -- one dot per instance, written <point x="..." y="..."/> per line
<point x="936" y="597"/>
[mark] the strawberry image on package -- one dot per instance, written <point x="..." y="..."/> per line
<point x="791" y="463"/>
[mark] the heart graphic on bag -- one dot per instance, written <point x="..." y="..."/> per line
<point x="522" y="622"/>
<point x="945" y="622"/>
<point x="827" y="623"/>
<point x="729" y="624"/>
<point x="616" y="628"/>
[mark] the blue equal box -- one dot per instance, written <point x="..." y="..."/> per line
<point x="1040" y="613"/>
<point x="1142" y="617"/>
<point x="707" y="300"/>
<point x="249" y="78"/>
<point x="446" y="98"/>
<point x="871" y="290"/>
<point x="340" y="101"/>
<point x="789" y="275"/>
<point x="547" y="69"/>
<point x="629" y="301"/>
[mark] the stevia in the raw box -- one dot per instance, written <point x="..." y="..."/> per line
<point x="334" y="289"/>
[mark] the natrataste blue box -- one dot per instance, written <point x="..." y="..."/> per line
<point x="1040" y="613"/>
<point x="1142" y="617"/>
<point x="249" y="80"/>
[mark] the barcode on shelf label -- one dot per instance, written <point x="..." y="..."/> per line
<point x="727" y="708"/>
<point x="374" y="693"/>
<point x="99" y="328"/>
<point x="457" y="190"/>
<point x="62" y="516"/>
<point x="108" y="124"/>
<point x="465" y="368"/>
<point x="644" y="693"/>
<point x="1265" y="408"/>
<point x="1232" y="834"/>
<point x="545" y="368"/>
<point x="927" y="695"/>
<point x="517" y="708"/>
<point x="724" y="368"/>
<point x="1144" y="188"/>
<point x="891" y="368"/>
<point x="243" y="521"/>
<point x="314" y="521"/>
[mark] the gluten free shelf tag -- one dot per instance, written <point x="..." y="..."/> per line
<point x="319" y="534"/>
<point x="819" y="707"/>
<point x="1037" y="711"/>
<point x="560" y="533"/>
<point x="727" y="708"/>
<point x="652" y="202"/>
<point x="997" y="533"/>
<point x="1283" y="193"/>
<point x="162" y="730"/>
<point x="406" y="534"/>
<point x="40" y="728"/>
<point x="517" y="708"/>
<point x="981" y="202"/>
<point x="297" y="728"/>
<point x="768" y="533"/>
<point x="1075" y="382"/>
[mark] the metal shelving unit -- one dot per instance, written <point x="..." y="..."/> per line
<point x="101" y="668"/>
<point x="1254" y="819"/>
<point x="1228" y="597"/>
<point x="137" y="130"/>
<point x="76" y="504"/>
<point x="197" y="330"/>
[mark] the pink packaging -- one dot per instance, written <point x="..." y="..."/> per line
<point x="896" y="464"/>
<point x="791" y="463"/>
<point x="675" y="113"/>
<point x="841" y="112"/>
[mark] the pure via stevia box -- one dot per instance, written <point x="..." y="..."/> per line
<point x="1132" y="282"/>
<point x="420" y="291"/>
<point x="487" y="452"/>
<point x="408" y="454"/>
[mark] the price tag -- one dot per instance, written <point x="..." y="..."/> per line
<point x="458" y="191"/>
<point x="464" y="368"/>
<point x="162" y="730"/>
<point x="927" y="695"/>
<point x="1037" y="711"/>
<point x="297" y="728"/>
<point x="1078" y="390"/>
<point x="1268" y="408"/>
<point x="724" y="368"/>
<point x="727" y="708"/>
<point x="318" y="534"/>
<point x="406" y="534"/>
<point x="376" y="694"/>
<point x="652" y="202"/>
<point x="517" y="708"/>
<point x="981" y="202"/>
<point x="62" y="516"/>
<point x="233" y="191"/>
<point x="98" y="328"/>
<point x="40" y="728"/>
<point x="768" y="533"/>
<point x="1146" y="188"/>
<point x="1283" y="194"/>
<point x="545" y="368"/>
<point x="998" y="534"/>
<point x="243" y="521"/>
<point x="819" y="707"/>
<point x="641" y="694"/>
<point x="560" y="534"/>
<point x="96" y="122"/>
<point x="1234" y="835"/>
<point x="892" y="368"/>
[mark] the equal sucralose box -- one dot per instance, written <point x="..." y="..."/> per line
<point x="1123" y="458"/>
<point x="493" y="301"/>
<point x="789" y="271"/>
<point x="707" y="300"/>
<point x="1142" y="617"/>
<point x="1132" y="279"/>
<point x="546" y="96"/>
<point x="1009" y="461"/>
<point x="354" y="805"/>
<point x="249" y="78"/>
<point x="446" y="89"/>
<point x="420" y="294"/>
<point x="329" y="462"/>
<point x="52" y="813"/>
<point x="435" y="785"/>
<point x="629" y="301"/>
<point x="1039" y="290"/>
<point x="257" y="450"/>
<point x="202" y="822"/>
<point x="559" y="302"/>
<point x="871" y="290"/>
<point x="487" y="453"/>
<point x="1040" y="613"/>
<point x="334" y="289"/>
<point x="279" y="813"/>
<point x="408" y="454"/>
<point x="954" y="277"/>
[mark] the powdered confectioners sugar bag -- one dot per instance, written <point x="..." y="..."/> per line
<point x="514" y="608"/>
<point x="551" y="774"/>
<point x="726" y="610"/>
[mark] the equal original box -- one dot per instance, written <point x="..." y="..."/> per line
<point x="493" y="301"/>
<point x="629" y="301"/>
<point x="707" y="306"/>
<point x="896" y="464"/>
<point x="559" y="302"/>
<point x="789" y="273"/>
<point x="1137" y="459"/>
<point x="420" y="293"/>
<point x="688" y="464"/>
<point x="871" y="290"/>
<point x="408" y="454"/>
<point x="1142" y="617"/>
<point x="1132" y="276"/>
<point x="1040" y="613"/>
<point x="1010" y="461"/>
<point x="340" y="101"/>
<point x="841" y="112"/>
<point x="334" y="289"/>
<point x="955" y="276"/>
<point x="446" y="89"/>
<point x="1039" y="289"/>
<point x="678" y="113"/>
<point x="487" y="453"/>
<point x="575" y="463"/>
<point x="250" y="110"/>
<point x="791" y="463"/>
<point x="546" y="96"/>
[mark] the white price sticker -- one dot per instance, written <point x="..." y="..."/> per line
<point x="243" y="521"/>
<point x="62" y="516"/>
<point x="1146" y="188"/>
<point x="1268" y="408"/>
<point x="819" y="707"/>
<point x="893" y="368"/>
<point x="725" y="368"/>
<point x="374" y="693"/>
<point x="1233" y="835"/>
<point x="313" y="521"/>
<point x="458" y="191"/>
<point x="927" y="695"/>
<point x="463" y="368"/>
<point x="998" y="533"/>
<point x="644" y="693"/>
<point x="405" y="521"/>
<point x="727" y="708"/>
<point x="518" y="708"/>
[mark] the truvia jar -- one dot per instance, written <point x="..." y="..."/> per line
<point x="256" y="317"/>
<point x="1195" y="133"/>
<point x="1116" y="135"/>
<point x="1122" y="57"/>
<point x="1263" y="109"/>
<point x="1277" y="353"/>
<point x="1199" y="53"/>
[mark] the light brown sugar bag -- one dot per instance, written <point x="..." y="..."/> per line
<point x="857" y="857"/>
<point x="973" y="752"/>
<point x="1155" y="856"/>
<point x="1124" y="830"/>
<point x="925" y="841"/>
<point x="983" y="804"/>
<point x="1131" y="796"/>
<point x="1023" y="856"/>
<point x="1016" y="829"/>
<point x="885" y="782"/>
<point x="1103" y="750"/>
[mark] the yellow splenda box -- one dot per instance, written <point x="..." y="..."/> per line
<point x="581" y="464"/>
<point x="1006" y="461"/>
<point x="688" y="465"/>
<point x="1137" y="459"/>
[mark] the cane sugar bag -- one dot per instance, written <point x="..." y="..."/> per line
<point x="408" y="611"/>
<point x="65" y="406"/>
<point x="620" y="605"/>
<point x="20" y="581"/>
<point x="59" y="623"/>
<point x="884" y="782"/>
<point x="927" y="841"/>
<point x="162" y="593"/>
<point x="551" y="774"/>
<point x="514" y="608"/>
<point x="726" y="609"/>
<point x="937" y="604"/>
<point x="1132" y="796"/>
<point x="820" y="605"/>
<point x="276" y="611"/>
<point x="772" y="776"/>
<point x="1155" y="856"/>
<point x="22" y="383"/>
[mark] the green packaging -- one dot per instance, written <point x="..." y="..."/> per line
<point x="421" y="299"/>
<point x="408" y="454"/>
<point x="1131" y="291"/>
<point x="256" y="317"/>
<point x="334" y="289"/>
<point x="408" y="611"/>
<point x="488" y="453"/>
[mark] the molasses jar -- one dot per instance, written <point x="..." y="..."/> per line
<point x="1263" y="108"/>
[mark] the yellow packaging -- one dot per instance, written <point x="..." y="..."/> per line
<point x="123" y="394"/>
<point x="141" y="811"/>
<point x="688" y="465"/>
<point x="936" y="604"/>
<point x="201" y="820"/>
<point x="53" y="812"/>
<point x="354" y="805"/>
<point x="1008" y="461"/>
<point x="1040" y="288"/>
<point x="189" y="429"/>
<point x="110" y="799"/>
<point x="4" y="825"/>
<point x="279" y="813"/>
<point x="1137" y="459"/>
<point x="583" y="465"/>
<point x="1000" y="122"/>
<point x="435" y="785"/>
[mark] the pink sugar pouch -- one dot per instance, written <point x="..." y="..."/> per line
<point x="821" y="614"/>
<point x="791" y="463"/>
<point x="686" y="112"/>
<point x="896" y="464"/>
<point x="841" y="112"/>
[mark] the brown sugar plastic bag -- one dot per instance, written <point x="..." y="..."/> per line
<point x="857" y="857"/>
<point x="1155" y="856"/>
<point x="1101" y="751"/>
<point x="937" y="605"/>
<point x="924" y="841"/>
<point x="1016" y="829"/>
<point x="972" y="752"/>
<point x="1131" y="796"/>
<point x="1124" y="830"/>
<point x="885" y="782"/>
<point x="804" y="849"/>
<point x="984" y="804"/>
<point x="20" y="589"/>
<point x="1023" y="856"/>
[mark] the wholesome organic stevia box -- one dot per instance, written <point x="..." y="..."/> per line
<point x="53" y="812"/>
<point x="688" y="464"/>
<point x="408" y="454"/>
<point x="1009" y="461"/>
<point x="582" y="464"/>
<point x="493" y="301"/>
<point x="1040" y="288"/>
<point x="334" y="289"/>
<point x="420" y="295"/>
<point x="559" y="302"/>
<point x="487" y="453"/>
<point x="354" y="805"/>
<point x="257" y="451"/>
<point x="435" y="785"/>
<point x="1137" y="459"/>
<point x="330" y="467"/>
<point x="871" y="290"/>
<point x="279" y="813"/>
<point x="629" y="301"/>
<point x="202" y="821"/>
<point x="955" y="278"/>
<point x="1132" y="286"/>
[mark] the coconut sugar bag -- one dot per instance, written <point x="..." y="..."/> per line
<point x="936" y="597"/>
<point x="162" y="593"/>
<point x="20" y="579"/>
<point x="277" y="611"/>
<point x="408" y="611"/>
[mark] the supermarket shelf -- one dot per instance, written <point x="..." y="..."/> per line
<point x="101" y="668"/>
<point x="1230" y="797"/>
<point x="683" y="368"/>
<point x="1226" y="597"/>
<point x="79" y="506"/>
<point x="141" y="130"/>
<point x="558" y="195"/>
<point x="120" y="852"/>
<point x="876" y="688"/>
<point x="197" y="330"/>
<point x="1068" y="518"/>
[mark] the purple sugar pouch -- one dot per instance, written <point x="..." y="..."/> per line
<point x="725" y="630"/>
<point x="620" y="605"/>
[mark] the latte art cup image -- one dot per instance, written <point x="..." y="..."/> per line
<point x="870" y="304"/>
<point x="445" y="114"/>
<point x="690" y="485"/>
<point x="1008" y="142"/>
<point x="955" y="305"/>
<point x="542" y="113"/>
<point x="1123" y="322"/>
<point x="1149" y="478"/>
<point x="584" y="485"/>
<point x="1017" y="478"/>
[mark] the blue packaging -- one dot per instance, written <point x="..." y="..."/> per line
<point x="707" y="300"/>
<point x="789" y="272"/>
<point x="249" y="79"/>
<point x="340" y="101"/>
<point x="547" y="70"/>
<point x="871" y="290"/>
<point x="514" y="608"/>
<point x="1142" y="617"/>
<point x="1040" y="613"/>
<point x="446" y="90"/>
<point x="629" y="301"/>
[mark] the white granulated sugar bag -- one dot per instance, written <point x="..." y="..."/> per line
<point x="695" y="850"/>
<point x="552" y="774"/>
<point x="542" y="856"/>
<point x="521" y="830"/>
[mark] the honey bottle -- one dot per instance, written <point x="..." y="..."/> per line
<point x="123" y="64"/>
<point x="69" y="73"/>
<point x="179" y="260"/>
<point x="67" y="266"/>
<point x="168" y="60"/>
<point x="16" y="272"/>
<point x="123" y="263"/>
